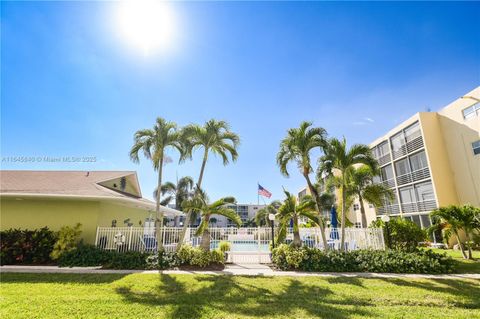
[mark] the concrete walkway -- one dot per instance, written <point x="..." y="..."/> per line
<point x="230" y="269"/>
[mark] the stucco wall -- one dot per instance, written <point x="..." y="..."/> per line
<point x="55" y="213"/>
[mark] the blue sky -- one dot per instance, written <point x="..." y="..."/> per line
<point x="71" y="87"/>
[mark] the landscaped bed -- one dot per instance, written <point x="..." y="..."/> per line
<point x="202" y="296"/>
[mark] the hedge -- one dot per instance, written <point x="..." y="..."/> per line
<point x="286" y="257"/>
<point x="19" y="246"/>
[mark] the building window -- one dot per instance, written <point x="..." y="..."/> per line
<point x="471" y="111"/>
<point x="358" y="225"/>
<point x="418" y="161"/>
<point x="476" y="147"/>
<point x="402" y="167"/>
<point x="356" y="207"/>
<point x="412" y="132"/>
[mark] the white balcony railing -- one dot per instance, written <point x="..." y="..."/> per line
<point x="413" y="176"/>
<point x="423" y="206"/>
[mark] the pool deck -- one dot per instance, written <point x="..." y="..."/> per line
<point x="230" y="269"/>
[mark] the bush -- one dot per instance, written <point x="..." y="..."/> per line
<point x="392" y="261"/>
<point x="67" y="240"/>
<point x="224" y="246"/>
<point x="89" y="256"/>
<point x="166" y="261"/>
<point x="188" y="255"/>
<point x="26" y="246"/>
<point x="402" y="233"/>
<point x="84" y="256"/>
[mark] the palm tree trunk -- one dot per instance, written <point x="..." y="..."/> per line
<point x="189" y="214"/>
<point x="362" y="211"/>
<point x="297" y="242"/>
<point x="467" y="239"/>
<point x="159" y="214"/>
<point x="461" y="246"/>
<point x="205" y="244"/>
<point x="202" y="169"/>
<point x="314" y="192"/>
<point x="342" y="241"/>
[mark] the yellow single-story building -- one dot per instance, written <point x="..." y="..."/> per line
<point x="35" y="199"/>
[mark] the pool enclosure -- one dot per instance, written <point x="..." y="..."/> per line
<point x="247" y="244"/>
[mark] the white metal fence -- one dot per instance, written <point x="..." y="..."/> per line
<point x="244" y="241"/>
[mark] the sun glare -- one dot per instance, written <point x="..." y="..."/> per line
<point x="146" y="25"/>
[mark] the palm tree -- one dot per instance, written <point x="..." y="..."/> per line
<point x="291" y="209"/>
<point x="453" y="219"/>
<point x="215" y="137"/>
<point x="338" y="162"/>
<point x="261" y="218"/>
<point x="296" y="147"/>
<point x="153" y="143"/>
<point x="362" y="186"/>
<point x="179" y="192"/>
<point x="200" y="204"/>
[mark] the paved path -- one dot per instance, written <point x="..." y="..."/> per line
<point x="231" y="269"/>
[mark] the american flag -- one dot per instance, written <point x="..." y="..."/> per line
<point x="262" y="191"/>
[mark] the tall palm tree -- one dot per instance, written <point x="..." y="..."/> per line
<point x="453" y="219"/>
<point x="179" y="192"/>
<point x="261" y="218"/>
<point x="214" y="137"/>
<point x="362" y="186"/>
<point x="339" y="161"/>
<point x="296" y="147"/>
<point x="153" y="143"/>
<point x="200" y="204"/>
<point x="291" y="210"/>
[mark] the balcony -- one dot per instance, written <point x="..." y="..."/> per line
<point x="413" y="176"/>
<point x="390" y="183"/>
<point x="399" y="152"/>
<point x="415" y="144"/>
<point x="414" y="207"/>
<point x="384" y="159"/>
<point x="388" y="209"/>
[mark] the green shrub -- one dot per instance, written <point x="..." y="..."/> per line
<point x="68" y="238"/>
<point x="392" y="261"/>
<point x="165" y="261"/>
<point x="26" y="246"/>
<point x="188" y="255"/>
<point x="403" y="234"/>
<point x="224" y="246"/>
<point x="84" y="256"/>
<point x="89" y="255"/>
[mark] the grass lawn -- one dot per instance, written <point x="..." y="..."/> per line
<point x="202" y="296"/>
<point x="463" y="266"/>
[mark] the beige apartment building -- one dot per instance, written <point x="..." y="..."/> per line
<point x="430" y="160"/>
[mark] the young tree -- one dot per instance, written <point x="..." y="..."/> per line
<point x="178" y="192"/>
<point x="153" y="143"/>
<point x="296" y="147"/>
<point x="200" y="204"/>
<point x="261" y="218"/>
<point x="339" y="161"/>
<point x="291" y="209"/>
<point x="361" y="184"/>
<point x="453" y="219"/>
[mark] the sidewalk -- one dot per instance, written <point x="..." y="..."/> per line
<point x="230" y="269"/>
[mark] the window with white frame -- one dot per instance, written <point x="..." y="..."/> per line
<point x="476" y="147"/>
<point x="471" y="111"/>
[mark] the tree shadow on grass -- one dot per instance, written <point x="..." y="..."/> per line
<point x="466" y="292"/>
<point x="345" y="280"/>
<point x="237" y="296"/>
<point x="59" y="278"/>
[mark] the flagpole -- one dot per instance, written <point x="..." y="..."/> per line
<point x="258" y="194"/>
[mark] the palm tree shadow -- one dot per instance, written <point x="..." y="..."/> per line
<point x="468" y="290"/>
<point x="238" y="297"/>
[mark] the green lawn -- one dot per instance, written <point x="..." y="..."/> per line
<point x="202" y="296"/>
<point x="463" y="265"/>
